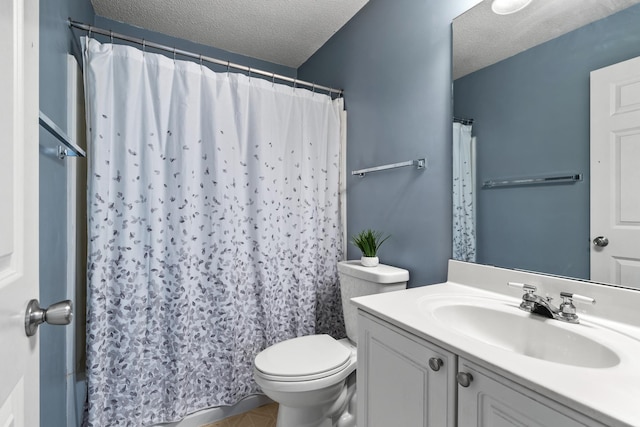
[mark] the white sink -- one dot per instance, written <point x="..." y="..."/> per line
<point x="507" y="327"/>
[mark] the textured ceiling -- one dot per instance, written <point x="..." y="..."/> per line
<point x="285" y="32"/>
<point x="482" y="38"/>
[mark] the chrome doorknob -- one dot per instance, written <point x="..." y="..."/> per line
<point x="59" y="313"/>
<point x="601" y="241"/>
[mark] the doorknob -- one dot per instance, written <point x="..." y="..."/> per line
<point x="601" y="241"/>
<point x="59" y="313"/>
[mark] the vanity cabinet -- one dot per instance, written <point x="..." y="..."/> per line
<point x="402" y="380"/>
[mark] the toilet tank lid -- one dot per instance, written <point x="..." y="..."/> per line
<point x="379" y="274"/>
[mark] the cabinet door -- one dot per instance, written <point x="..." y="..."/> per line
<point x="396" y="386"/>
<point x="493" y="401"/>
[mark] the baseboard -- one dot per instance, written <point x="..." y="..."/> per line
<point x="211" y="415"/>
<point x="197" y="419"/>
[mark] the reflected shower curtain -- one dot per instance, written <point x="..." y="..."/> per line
<point x="214" y="230"/>
<point x="464" y="227"/>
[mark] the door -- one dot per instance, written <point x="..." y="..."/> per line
<point x="19" y="393"/>
<point x="615" y="174"/>
<point x="402" y="380"/>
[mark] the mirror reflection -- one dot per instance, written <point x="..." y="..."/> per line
<point x="523" y="118"/>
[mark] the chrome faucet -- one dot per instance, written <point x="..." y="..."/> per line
<point x="542" y="306"/>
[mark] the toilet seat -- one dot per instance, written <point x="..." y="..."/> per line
<point x="303" y="359"/>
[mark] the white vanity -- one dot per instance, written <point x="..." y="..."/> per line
<point x="462" y="353"/>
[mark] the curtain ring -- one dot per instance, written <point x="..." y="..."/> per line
<point x="313" y="89"/>
<point x="174" y="54"/>
<point x="228" y="64"/>
<point x="86" y="48"/>
<point x="144" y="46"/>
<point x="90" y="29"/>
<point x="295" y="82"/>
<point x="200" y="60"/>
<point x="111" y="35"/>
<point x="249" y="73"/>
<point x="273" y="79"/>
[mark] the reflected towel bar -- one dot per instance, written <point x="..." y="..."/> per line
<point x="54" y="130"/>
<point x="555" y="179"/>
<point x="419" y="164"/>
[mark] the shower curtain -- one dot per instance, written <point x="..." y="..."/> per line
<point x="214" y="230"/>
<point x="464" y="227"/>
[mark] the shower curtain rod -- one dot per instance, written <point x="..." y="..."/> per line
<point x="91" y="29"/>
<point x="463" y="120"/>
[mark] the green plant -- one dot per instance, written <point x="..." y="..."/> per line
<point x="368" y="241"/>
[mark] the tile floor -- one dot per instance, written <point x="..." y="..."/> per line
<point x="264" y="416"/>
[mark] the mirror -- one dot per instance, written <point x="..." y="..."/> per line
<point x="524" y="81"/>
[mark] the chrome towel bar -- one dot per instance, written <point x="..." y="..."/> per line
<point x="54" y="130"/>
<point x="419" y="164"/>
<point x="554" y="179"/>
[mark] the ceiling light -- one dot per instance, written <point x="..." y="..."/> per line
<point x="507" y="7"/>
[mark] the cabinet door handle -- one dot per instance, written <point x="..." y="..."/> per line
<point x="464" y="379"/>
<point x="435" y="363"/>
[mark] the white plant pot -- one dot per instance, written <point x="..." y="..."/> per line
<point x="369" y="261"/>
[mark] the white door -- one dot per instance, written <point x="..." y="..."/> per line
<point x="19" y="392"/>
<point x="402" y="380"/>
<point x="615" y="174"/>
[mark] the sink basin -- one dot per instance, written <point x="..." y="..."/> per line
<point x="509" y="328"/>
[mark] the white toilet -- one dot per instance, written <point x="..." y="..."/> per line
<point x="313" y="377"/>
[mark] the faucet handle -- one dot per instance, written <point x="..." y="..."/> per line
<point x="528" y="298"/>
<point x="529" y="289"/>
<point x="568" y="298"/>
<point x="567" y="310"/>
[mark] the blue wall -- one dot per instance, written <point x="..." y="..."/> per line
<point x="531" y="116"/>
<point x="393" y="59"/>
<point x="55" y="42"/>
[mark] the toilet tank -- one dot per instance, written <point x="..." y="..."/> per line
<point x="357" y="280"/>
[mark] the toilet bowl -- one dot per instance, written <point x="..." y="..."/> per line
<point x="313" y="377"/>
<point x="307" y="377"/>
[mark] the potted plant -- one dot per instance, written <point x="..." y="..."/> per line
<point x="369" y="241"/>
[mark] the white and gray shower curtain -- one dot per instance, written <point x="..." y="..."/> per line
<point x="464" y="219"/>
<point x="214" y="230"/>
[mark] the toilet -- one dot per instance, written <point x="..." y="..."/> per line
<point x="313" y="377"/>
